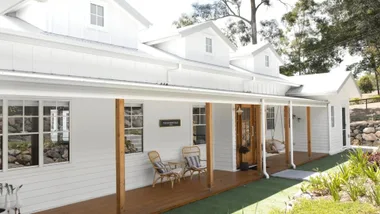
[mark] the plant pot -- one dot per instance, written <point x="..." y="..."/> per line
<point x="244" y="166"/>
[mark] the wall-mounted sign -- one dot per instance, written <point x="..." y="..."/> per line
<point x="170" y="123"/>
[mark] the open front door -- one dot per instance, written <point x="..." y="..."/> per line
<point x="245" y="128"/>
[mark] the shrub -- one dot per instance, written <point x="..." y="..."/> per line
<point x="324" y="206"/>
<point x="356" y="188"/>
<point x="374" y="158"/>
<point x="373" y="173"/>
<point x="365" y="84"/>
<point x="375" y="195"/>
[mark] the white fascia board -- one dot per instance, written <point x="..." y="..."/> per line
<point x="11" y="5"/>
<point x="163" y="39"/>
<point x="149" y="91"/>
<point x="81" y="47"/>
<point x="133" y="12"/>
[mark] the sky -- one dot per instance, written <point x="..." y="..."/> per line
<point x="162" y="13"/>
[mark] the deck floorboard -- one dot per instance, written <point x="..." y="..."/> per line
<point x="162" y="198"/>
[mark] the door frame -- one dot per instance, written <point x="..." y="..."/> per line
<point x="344" y="126"/>
<point x="253" y="130"/>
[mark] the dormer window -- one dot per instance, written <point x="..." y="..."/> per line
<point x="208" y="45"/>
<point x="266" y="61"/>
<point x="97" y="15"/>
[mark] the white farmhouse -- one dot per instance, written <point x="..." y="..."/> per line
<point x="72" y="71"/>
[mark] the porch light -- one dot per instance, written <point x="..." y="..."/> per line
<point x="239" y="111"/>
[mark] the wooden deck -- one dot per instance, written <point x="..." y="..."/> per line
<point x="162" y="198"/>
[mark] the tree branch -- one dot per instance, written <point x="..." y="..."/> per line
<point x="229" y="8"/>
<point x="231" y="15"/>
<point x="257" y="7"/>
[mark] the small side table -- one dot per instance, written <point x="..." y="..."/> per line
<point x="176" y="163"/>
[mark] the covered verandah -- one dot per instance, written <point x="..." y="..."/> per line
<point x="189" y="190"/>
<point x="162" y="198"/>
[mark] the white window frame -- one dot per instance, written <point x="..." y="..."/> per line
<point x="332" y="116"/>
<point x="40" y="133"/>
<point x="131" y="104"/>
<point x="267" y="61"/>
<point x="209" y="46"/>
<point x="1" y="133"/>
<point x="199" y="115"/>
<point x="270" y="117"/>
<point x="105" y="15"/>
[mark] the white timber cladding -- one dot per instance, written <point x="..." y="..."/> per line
<point x="223" y="115"/>
<point x="319" y="129"/>
<point x="72" y="18"/>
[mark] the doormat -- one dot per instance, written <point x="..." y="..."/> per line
<point x="296" y="174"/>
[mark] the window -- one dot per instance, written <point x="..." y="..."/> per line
<point x="1" y="134"/>
<point x="199" y="125"/>
<point x="23" y="136"/>
<point x="133" y="128"/>
<point x="208" y="45"/>
<point x="332" y="116"/>
<point x="270" y="118"/>
<point x="56" y="131"/>
<point x="266" y="60"/>
<point x="97" y="15"/>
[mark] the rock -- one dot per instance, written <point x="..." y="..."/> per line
<point x="377" y="134"/>
<point x="23" y="159"/>
<point x="356" y="131"/>
<point x="12" y="165"/>
<point x="377" y="144"/>
<point x="369" y="137"/>
<point x="11" y="159"/>
<point x="369" y="130"/>
<point x="27" y="152"/>
<point x="378" y="128"/>
<point x="48" y="160"/>
<point x="65" y="154"/>
<point x="359" y="137"/>
<point x="355" y="142"/>
<point x="14" y="152"/>
<point x="367" y="143"/>
<point x="52" y="154"/>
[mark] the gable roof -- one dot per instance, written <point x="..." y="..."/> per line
<point x="323" y="84"/>
<point x="253" y="50"/>
<point x="160" y="37"/>
<point x="9" y="6"/>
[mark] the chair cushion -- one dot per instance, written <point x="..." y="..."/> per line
<point x="161" y="167"/>
<point x="193" y="161"/>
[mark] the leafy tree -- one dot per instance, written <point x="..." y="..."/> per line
<point x="365" y="84"/>
<point x="357" y="28"/>
<point x="245" y="28"/>
<point x="304" y="40"/>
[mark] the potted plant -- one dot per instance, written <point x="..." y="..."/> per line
<point x="244" y="149"/>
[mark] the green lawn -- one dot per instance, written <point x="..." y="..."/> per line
<point x="259" y="196"/>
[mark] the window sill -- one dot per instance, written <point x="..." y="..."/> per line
<point x="22" y="168"/>
<point x="56" y="164"/>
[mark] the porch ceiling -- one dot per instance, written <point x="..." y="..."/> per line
<point x="48" y="85"/>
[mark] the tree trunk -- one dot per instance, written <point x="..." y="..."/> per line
<point x="253" y="22"/>
<point x="377" y="82"/>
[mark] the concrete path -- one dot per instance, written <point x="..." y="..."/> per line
<point x="296" y="174"/>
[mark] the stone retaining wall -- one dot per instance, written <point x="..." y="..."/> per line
<point x="366" y="133"/>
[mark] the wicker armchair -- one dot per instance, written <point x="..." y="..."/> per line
<point x="192" y="154"/>
<point x="162" y="171"/>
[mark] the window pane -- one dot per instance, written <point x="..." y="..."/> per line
<point x="203" y="110"/>
<point x="15" y="110"/>
<point x="49" y="109"/>
<point x="127" y="122"/>
<point x="56" y="147"/>
<point x="199" y="135"/>
<point x="93" y="19"/>
<point x="195" y="119"/>
<point x="127" y="110"/>
<point x="15" y="125"/>
<point x="137" y="121"/>
<point x="137" y="110"/>
<point x="100" y="11"/>
<point x="22" y="150"/>
<point x="31" y="124"/>
<point x="100" y="21"/>
<point x="1" y="129"/>
<point x="1" y="152"/>
<point x="47" y="124"/>
<point x="202" y="119"/>
<point x="1" y="109"/>
<point x="63" y="124"/>
<point x="133" y="140"/>
<point x="196" y="110"/>
<point x="63" y="109"/>
<point x="93" y="8"/>
<point x="31" y="108"/>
